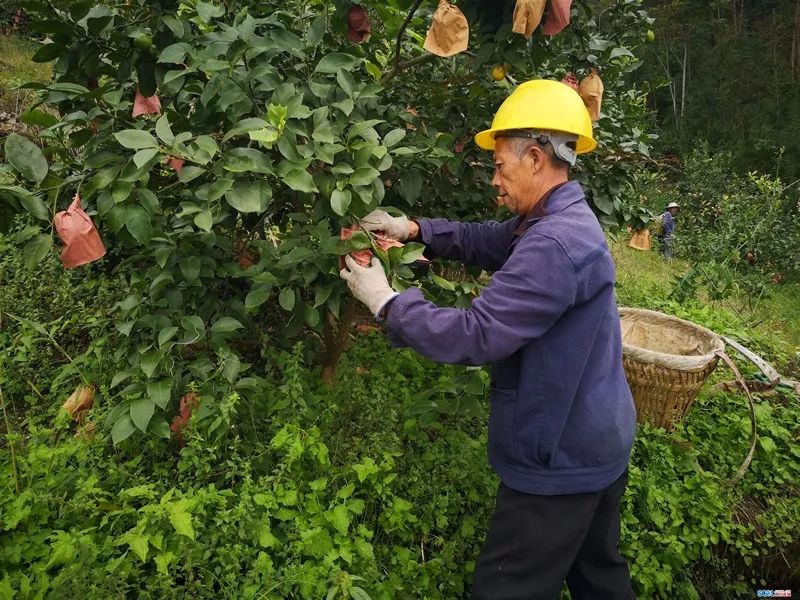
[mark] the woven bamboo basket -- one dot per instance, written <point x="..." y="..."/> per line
<point x="666" y="361"/>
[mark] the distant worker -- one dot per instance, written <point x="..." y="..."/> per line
<point x="668" y="228"/>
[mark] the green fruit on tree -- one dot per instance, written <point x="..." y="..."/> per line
<point x="651" y="36"/>
<point x="143" y="41"/>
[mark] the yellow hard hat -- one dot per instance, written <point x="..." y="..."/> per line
<point x="542" y="105"/>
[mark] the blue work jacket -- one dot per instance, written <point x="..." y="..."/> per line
<point x="667" y="224"/>
<point x="562" y="419"/>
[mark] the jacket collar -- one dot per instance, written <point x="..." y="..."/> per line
<point x="554" y="201"/>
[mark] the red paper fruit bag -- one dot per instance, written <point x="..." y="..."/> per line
<point x="82" y="243"/>
<point x="558" y="18"/>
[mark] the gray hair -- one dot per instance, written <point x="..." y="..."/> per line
<point x="558" y="146"/>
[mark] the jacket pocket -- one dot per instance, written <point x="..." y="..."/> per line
<point x="505" y="374"/>
<point x="502" y="414"/>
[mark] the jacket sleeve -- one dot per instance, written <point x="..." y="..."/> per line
<point x="537" y="284"/>
<point x="481" y="244"/>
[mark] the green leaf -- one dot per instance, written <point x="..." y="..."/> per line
<point x="141" y="413"/>
<point x="35" y="206"/>
<point x="159" y="426"/>
<point x="137" y="542"/>
<point x="603" y="203"/>
<point x="242" y="160"/>
<point x="47" y="53"/>
<point x="265" y="537"/>
<point x="26" y="157"/>
<point x="249" y="196"/>
<point x="317" y="30"/>
<point x="204" y="220"/>
<point x="443" y="283"/>
<point x="116" y="217"/>
<point x="190" y="173"/>
<point x="138" y="224"/>
<point x="148" y="362"/>
<point x="357" y="593"/>
<point x="394" y="137"/>
<point x="122" y="430"/>
<point x="136" y="139"/>
<point x="257" y="297"/>
<point x="410" y="185"/>
<point x="174" y="53"/>
<point x="346" y="82"/>
<point x="340" y="201"/>
<point x="164" y="131"/>
<point x="165" y="335"/>
<point x="121" y="190"/>
<point x="373" y="70"/>
<point x="294" y="256"/>
<point x="364" y="176"/>
<point x="312" y="317"/>
<point x="214" y="191"/>
<point x="159" y="390"/>
<point x="207" y="11"/>
<point x="35" y="250"/>
<point x="300" y="180"/>
<point x="203" y="149"/>
<point x="323" y="134"/>
<point x="226" y="325"/>
<point x="277" y="115"/>
<point x="767" y="444"/>
<point x="358" y="241"/>
<point x="620" y="51"/>
<point x="346" y="106"/>
<point x="331" y="63"/>
<point x="180" y="518"/>
<point x="38" y="118"/>
<point x="190" y="267"/>
<point x="339" y="518"/>
<point x="245" y="126"/>
<point x="26" y="234"/>
<point x="321" y="295"/>
<point x="125" y="328"/>
<point x="142" y="157"/>
<point x="411" y="252"/>
<point x="286" y="299"/>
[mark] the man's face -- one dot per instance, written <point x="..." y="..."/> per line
<point x="514" y="176"/>
<point x="673" y="210"/>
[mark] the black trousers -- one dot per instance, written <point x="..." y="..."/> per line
<point x="535" y="543"/>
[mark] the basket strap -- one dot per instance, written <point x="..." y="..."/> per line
<point x="749" y="458"/>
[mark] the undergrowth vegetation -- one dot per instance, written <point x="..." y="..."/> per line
<point x="376" y="487"/>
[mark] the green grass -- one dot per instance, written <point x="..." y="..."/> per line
<point x="638" y="270"/>
<point x="645" y="274"/>
<point x="16" y="69"/>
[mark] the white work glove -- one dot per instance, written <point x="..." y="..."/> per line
<point x="380" y="220"/>
<point x="368" y="284"/>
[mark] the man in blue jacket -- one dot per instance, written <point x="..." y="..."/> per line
<point x="562" y="419"/>
<point x="668" y="229"/>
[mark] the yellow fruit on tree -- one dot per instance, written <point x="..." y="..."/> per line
<point x="498" y="73"/>
<point x="651" y="36"/>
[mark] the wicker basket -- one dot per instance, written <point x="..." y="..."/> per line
<point x="666" y="361"/>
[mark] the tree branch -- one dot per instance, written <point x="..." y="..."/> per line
<point x="389" y="75"/>
<point x="400" y="33"/>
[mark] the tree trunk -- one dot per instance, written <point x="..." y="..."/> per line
<point x="335" y="343"/>
<point x="684" y="68"/>
<point x="795" y="57"/>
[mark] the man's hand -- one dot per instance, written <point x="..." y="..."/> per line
<point x="368" y="284"/>
<point x="397" y="228"/>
